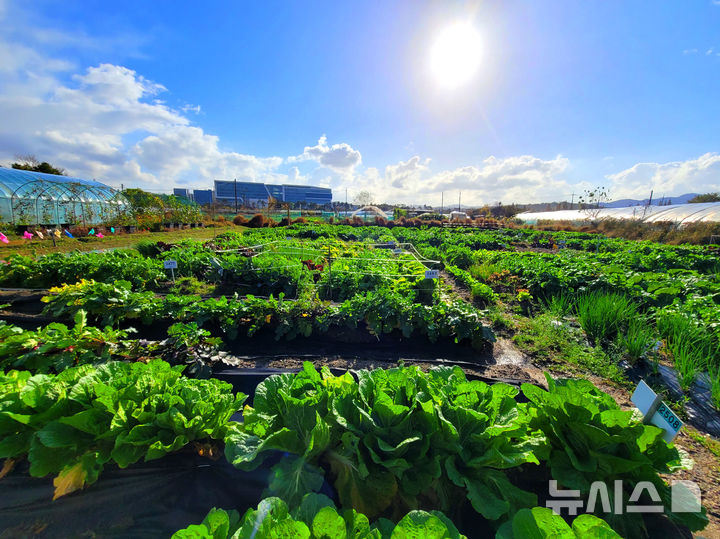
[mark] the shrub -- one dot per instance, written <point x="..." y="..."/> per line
<point x="257" y="221"/>
<point x="239" y="220"/>
<point x="148" y="248"/>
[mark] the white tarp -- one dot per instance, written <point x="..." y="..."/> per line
<point x="677" y="213"/>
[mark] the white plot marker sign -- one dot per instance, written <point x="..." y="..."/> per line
<point x="172" y="266"/>
<point x="656" y="412"/>
<point x="432" y="274"/>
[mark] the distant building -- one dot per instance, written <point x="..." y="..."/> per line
<point x="244" y="192"/>
<point x="247" y="193"/>
<point x="182" y="192"/>
<point x="307" y="193"/>
<point x="203" y="196"/>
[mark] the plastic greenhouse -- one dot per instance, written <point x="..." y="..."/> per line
<point x="680" y="214"/>
<point x="35" y="198"/>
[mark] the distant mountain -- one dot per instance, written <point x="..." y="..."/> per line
<point x="625" y="202"/>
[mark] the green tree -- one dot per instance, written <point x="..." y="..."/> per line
<point x="29" y="162"/>
<point x="142" y="202"/>
<point x="707" y="197"/>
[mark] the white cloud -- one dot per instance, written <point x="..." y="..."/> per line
<point x="110" y="123"/>
<point x="405" y="175"/>
<point x="511" y="179"/>
<point x="340" y="157"/>
<point x="701" y="175"/>
<point x="191" y="108"/>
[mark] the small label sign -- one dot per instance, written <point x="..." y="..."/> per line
<point x="170" y="264"/>
<point x="397" y="251"/>
<point x="656" y="412"/>
<point x="432" y="274"/>
<point x="666" y="419"/>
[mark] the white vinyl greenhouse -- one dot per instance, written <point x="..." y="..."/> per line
<point x="36" y="198"/>
<point x="680" y="214"/>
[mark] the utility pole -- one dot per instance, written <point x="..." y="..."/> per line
<point x="442" y="201"/>
<point x="236" y="209"/>
<point x="346" y="204"/>
<point x="459" y="195"/>
<point x="572" y="199"/>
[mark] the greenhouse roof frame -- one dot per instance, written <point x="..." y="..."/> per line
<point x="26" y="189"/>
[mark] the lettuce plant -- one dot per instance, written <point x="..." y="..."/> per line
<point x="316" y="517"/>
<point x="56" y="347"/>
<point x="542" y="523"/>
<point x="397" y="439"/>
<point x="592" y="439"/>
<point x="73" y="424"/>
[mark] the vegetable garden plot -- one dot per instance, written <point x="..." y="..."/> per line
<point x="333" y="270"/>
<point x="379" y="423"/>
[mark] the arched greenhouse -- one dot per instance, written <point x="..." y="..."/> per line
<point x="36" y="198"/>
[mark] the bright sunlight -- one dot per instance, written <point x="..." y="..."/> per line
<point x="455" y="55"/>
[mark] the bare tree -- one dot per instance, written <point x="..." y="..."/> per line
<point x="364" y="198"/>
<point x="591" y="201"/>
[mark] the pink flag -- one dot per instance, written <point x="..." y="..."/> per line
<point x="27" y="235"/>
<point x="99" y="235"/>
<point x="3" y="238"/>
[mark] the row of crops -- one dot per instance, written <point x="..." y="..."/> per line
<point x="320" y="277"/>
<point x="381" y="453"/>
<point x="399" y="448"/>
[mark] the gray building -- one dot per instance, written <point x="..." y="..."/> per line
<point x="203" y="196"/>
<point x="182" y="192"/>
<point x="307" y="193"/>
<point x="246" y="193"/>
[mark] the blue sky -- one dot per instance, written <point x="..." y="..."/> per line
<point x="568" y="95"/>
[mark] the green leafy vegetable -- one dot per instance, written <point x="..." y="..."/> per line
<point x="73" y="424"/>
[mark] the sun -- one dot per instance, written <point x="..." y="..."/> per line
<point x="455" y="55"/>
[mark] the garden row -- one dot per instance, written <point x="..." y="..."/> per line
<point x="675" y="287"/>
<point x="388" y="446"/>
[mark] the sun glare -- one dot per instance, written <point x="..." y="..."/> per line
<point x="455" y="55"/>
